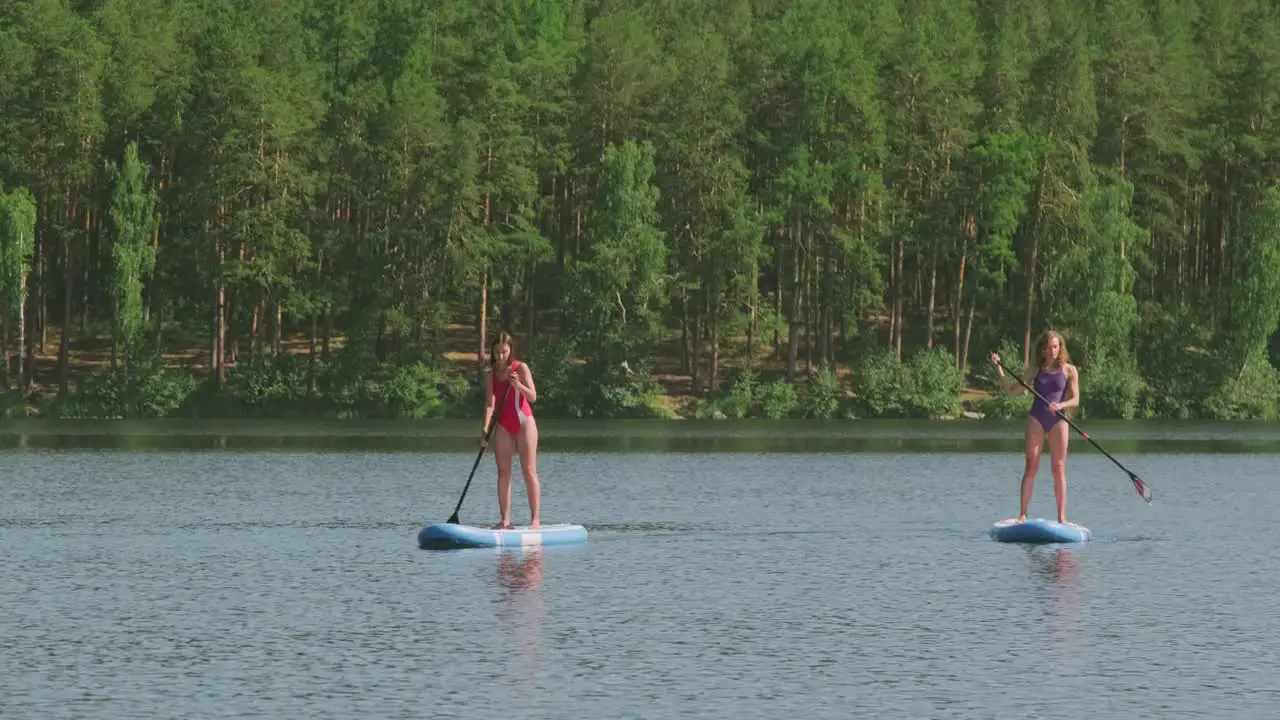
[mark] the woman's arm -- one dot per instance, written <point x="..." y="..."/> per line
<point x="523" y="381"/>
<point x="1073" y="378"/>
<point x="1016" y="388"/>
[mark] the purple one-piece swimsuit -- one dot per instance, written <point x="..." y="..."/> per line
<point x="1051" y="386"/>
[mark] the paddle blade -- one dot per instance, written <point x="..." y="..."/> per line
<point x="453" y="519"/>
<point x="1141" y="487"/>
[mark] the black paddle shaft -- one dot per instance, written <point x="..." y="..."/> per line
<point x="493" y="423"/>
<point x="1138" y="484"/>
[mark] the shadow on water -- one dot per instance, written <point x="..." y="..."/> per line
<point x="623" y="436"/>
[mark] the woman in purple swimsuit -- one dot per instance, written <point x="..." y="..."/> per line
<point x="1052" y="380"/>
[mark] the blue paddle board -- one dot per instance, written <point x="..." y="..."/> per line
<point x="1039" y="530"/>
<point x="439" y="536"/>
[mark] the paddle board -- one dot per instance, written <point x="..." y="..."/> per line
<point x="1039" y="530"/>
<point x="452" y="535"/>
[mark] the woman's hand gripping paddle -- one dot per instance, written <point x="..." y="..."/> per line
<point x="1138" y="484"/>
<point x="493" y="423"/>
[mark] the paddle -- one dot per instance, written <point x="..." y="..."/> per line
<point x="1138" y="484"/>
<point x="493" y="423"/>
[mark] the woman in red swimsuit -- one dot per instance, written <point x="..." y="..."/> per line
<point x="511" y="379"/>
<point x="1052" y="380"/>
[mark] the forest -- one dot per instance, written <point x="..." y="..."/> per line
<point x="679" y="208"/>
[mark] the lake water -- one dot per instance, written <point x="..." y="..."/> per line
<point x="821" y="570"/>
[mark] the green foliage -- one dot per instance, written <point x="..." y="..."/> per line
<point x="134" y="219"/>
<point x="611" y="392"/>
<point x="616" y="289"/>
<point x="1008" y="164"/>
<point x="557" y="377"/>
<point x="17" y="243"/>
<point x="1111" y="390"/>
<point x="1251" y="394"/>
<point x="152" y="390"/>
<point x="881" y="386"/>
<point x="268" y="385"/>
<point x="998" y="405"/>
<point x="743" y="396"/>
<point x="1254" y="300"/>
<point x="609" y="174"/>
<point x="822" y="401"/>
<point x="568" y="387"/>
<point x="418" y="391"/>
<point x="927" y="385"/>
<point x="12" y="405"/>
<point x="935" y="382"/>
<point x="1172" y="358"/>
<point x="778" y="399"/>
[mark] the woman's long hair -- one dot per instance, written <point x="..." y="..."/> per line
<point x="502" y="338"/>
<point x="1063" y="356"/>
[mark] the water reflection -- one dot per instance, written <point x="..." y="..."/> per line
<point x="519" y="616"/>
<point x="1059" y="578"/>
<point x="520" y="568"/>
<point x="1055" y="563"/>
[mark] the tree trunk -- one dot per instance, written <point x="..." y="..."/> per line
<point x="697" y="349"/>
<point x="529" y="306"/>
<point x="968" y="331"/>
<point x="684" y="333"/>
<point x="1036" y="227"/>
<point x="311" y="355"/>
<point x="966" y="236"/>
<point x="4" y="350"/>
<point x="893" y="283"/>
<point x="328" y="331"/>
<point x="828" y="329"/>
<point x="754" y="301"/>
<point x="933" y="292"/>
<point x="153" y="288"/>
<point x="22" y="336"/>
<point x="64" y="346"/>
<point x="1031" y="296"/>
<point x="255" y="329"/>
<point x="42" y="299"/>
<point x="810" y="324"/>
<point x="713" y="377"/>
<point x="484" y="274"/>
<point x="220" y="323"/>
<point x="898" y="300"/>
<point x="777" y="293"/>
<point x="483" y="324"/>
<point x="793" y="317"/>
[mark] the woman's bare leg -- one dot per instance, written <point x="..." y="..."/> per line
<point x="503" y="444"/>
<point x="1034" y="441"/>
<point x="1058" y="438"/>
<point x="527" y="446"/>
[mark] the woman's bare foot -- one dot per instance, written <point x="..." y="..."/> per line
<point x="501" y="526"/>
<point x="1022" y="518"/>
<point x="535" y="525"/>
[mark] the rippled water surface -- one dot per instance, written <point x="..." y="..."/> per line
<point x="232" y="583"/>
